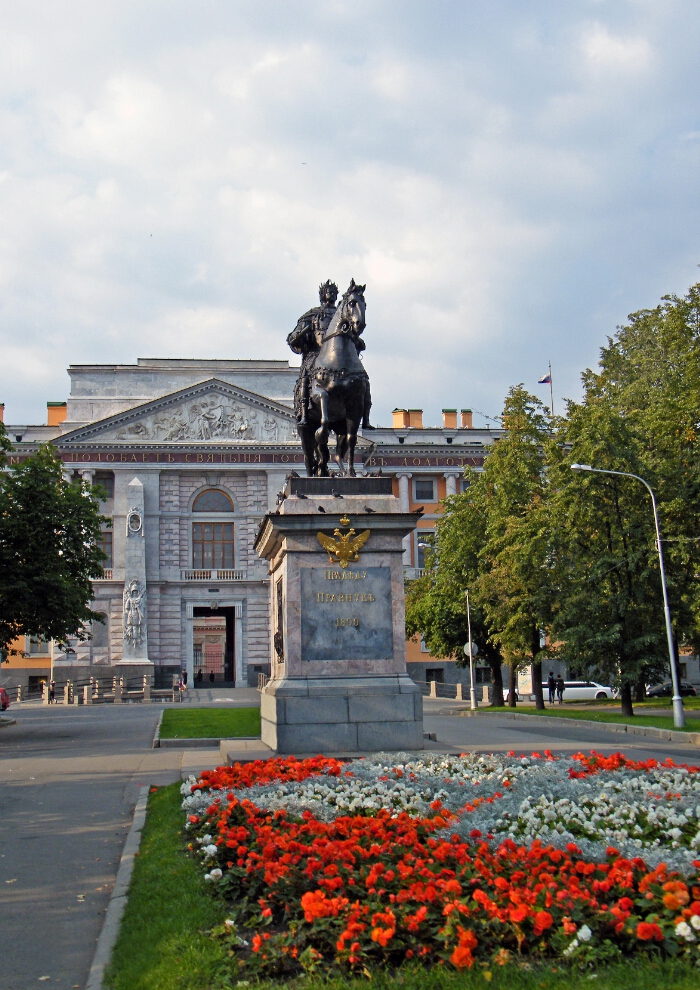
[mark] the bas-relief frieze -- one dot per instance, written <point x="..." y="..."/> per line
<point x="212" y="418"/>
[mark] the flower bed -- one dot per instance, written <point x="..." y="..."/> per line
<point x="450" y="860"/>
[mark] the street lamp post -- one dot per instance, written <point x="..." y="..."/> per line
<point x="472" y="689"/>
<point x="678" y="715"/>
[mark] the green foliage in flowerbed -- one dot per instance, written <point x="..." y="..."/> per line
<point x="654" y="721"/>
<point x="164" y="943"/>
<point x="210" y="723"/>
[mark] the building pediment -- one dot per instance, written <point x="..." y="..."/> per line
<point x="209" y="412"/>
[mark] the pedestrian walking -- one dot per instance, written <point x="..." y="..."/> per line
<point x="52" y="693"/>
<point x="560" y="689"/>
<point x="551" y="686"/>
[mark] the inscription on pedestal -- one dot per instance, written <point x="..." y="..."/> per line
<point x="346" y="614"/>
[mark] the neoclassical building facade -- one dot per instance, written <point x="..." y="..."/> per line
<point x="192" y="455"/>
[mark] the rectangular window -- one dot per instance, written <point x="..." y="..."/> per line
<point x="105" y="479"/>
<point x="423" y="539"/>
<point x="37" y="646"/>
<point x="435" y="674"/>
<point x="105" y="545"/>
<point x="683" y="670"/>
<point x="424" y="490"/>
<point x="212" y="545"/>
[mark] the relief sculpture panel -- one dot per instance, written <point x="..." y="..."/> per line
<point x="214" y="417"/>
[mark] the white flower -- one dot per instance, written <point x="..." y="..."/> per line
<point x="584" y="933"/>
<point x="210" y="850"/>
<point x="683" y="930"/>
<point x="214" y="874"/>
<point x="695" y="922"/>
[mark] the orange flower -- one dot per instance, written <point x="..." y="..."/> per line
<point x="462" y="956"/>
<point x="383" y="935"/>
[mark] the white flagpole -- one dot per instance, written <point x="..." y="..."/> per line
<point x="551" y="389"/>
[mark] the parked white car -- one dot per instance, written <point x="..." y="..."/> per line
<point x="581" y="691"/>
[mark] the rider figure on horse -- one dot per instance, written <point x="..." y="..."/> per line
<point x="306" y="339"/>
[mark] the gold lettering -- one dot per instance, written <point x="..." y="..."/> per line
<point x="200" y="458"/>
<point x="109" y="457"/>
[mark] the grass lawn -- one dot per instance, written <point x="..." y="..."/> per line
<point x="163" y="943"/>
<point x="210" y="723"/>
<point x="655" y="721"/>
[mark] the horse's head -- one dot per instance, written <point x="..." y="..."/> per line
<point x="353" y="306"/>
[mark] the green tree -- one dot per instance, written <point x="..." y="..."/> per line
<point x="650" y="375"/>
<point x="606" y="601"/>
<point x="436" y="606"/>
<point x="514" y="584"/>
<point x="48" y="550"/>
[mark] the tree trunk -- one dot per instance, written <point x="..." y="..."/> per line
<point x="640" y="689"/>
<point x="626" y="700"/>
<point x="512" y="684"/>
<point x="497" y="679"/>
<point x="536" y="671"/>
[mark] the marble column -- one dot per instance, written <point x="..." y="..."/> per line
<point x="451" y="483"/>
<point x="405" y="504"/>
<point x="135" y="614"/>
<point x="88" y="475"/>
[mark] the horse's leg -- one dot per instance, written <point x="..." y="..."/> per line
<point x="341" y="447"/>
<point x="352" y="422"/>
<point x="309" y="446"/>
<point x="321" y="434"/>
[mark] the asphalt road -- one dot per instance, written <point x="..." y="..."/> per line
<point x="69" y="780"/>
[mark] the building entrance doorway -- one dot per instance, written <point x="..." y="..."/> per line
<point x="213" y="634"/>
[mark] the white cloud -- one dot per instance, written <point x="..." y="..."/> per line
<point x="509" y="180"/>
<point x="604" y="50"/>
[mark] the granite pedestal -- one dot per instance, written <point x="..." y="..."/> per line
<point x="339" y="680"/>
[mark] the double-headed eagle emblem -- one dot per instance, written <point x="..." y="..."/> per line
<point x="346" y="546"/>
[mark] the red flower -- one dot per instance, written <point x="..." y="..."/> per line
<point x="646" y="932"/>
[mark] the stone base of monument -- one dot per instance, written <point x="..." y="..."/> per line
<point x="353" y="714"/>
<point x="338" y="682"/>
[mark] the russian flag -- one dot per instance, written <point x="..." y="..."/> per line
<point x="545" y="380"/>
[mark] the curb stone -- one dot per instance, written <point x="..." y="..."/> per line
<point x="156" y="736"/>
<point x="199" y="742"/>
<point x="5" y="722"/>
<point x="667" y="735"/>
<point x="119" y="896"/>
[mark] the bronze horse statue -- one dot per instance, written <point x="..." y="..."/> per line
<point x="339" y="389"/>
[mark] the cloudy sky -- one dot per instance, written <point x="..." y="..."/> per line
<point x="510" y="178"/>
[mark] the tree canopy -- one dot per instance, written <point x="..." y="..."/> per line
<point x="49" y="552"/>
<point x="543" y="548"/>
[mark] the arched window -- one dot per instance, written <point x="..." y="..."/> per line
<point x="212" y="500"/>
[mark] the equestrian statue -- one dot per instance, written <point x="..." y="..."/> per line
<point x="332" y="392"/>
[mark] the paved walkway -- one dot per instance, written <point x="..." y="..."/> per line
<point x="69" y="779"/>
